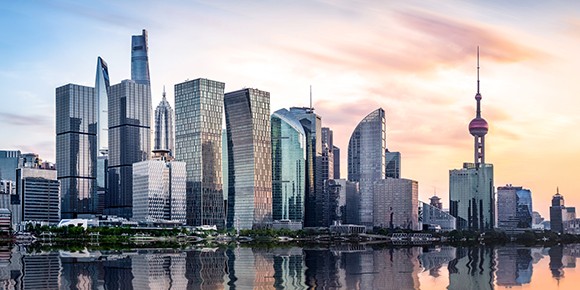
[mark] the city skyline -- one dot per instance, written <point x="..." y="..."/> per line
<point x="415" y="61"/>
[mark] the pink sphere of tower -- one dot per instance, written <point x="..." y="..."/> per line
<point x="478" y="127"/>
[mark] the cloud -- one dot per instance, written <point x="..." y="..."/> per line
<point x="26" y="121"/>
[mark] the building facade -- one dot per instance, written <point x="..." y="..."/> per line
<point x="198" y="140"/>
<point x="312" y="124"/>
<point x="288" y="167"/>
<point x="76" y="150"/>
<point x="336" y="162"/>
<point x="129" y="142"/>
<point x="37" y="197"/>
<point x="8" y="163"/>
<point x="392" y="164"/>
<point x="514" y="207"/>
<point x="366" y="160"/>
<point x="396" y="203"/>
<point x="435" y="216"/>
<point x="159" y="191"/>
<point x="249" y="158"/>
<point x="164" y="127"/>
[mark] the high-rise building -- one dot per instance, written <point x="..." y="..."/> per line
<point x="102" y="86"/>
<point x="288" y="171"/>
<point x="140" y="59"/>
<point x="129" y="142"/>
<point x="8" y="164"/>
<point x="37" y="197"/>
<point x="249" y="158"/>
<point x="514" y="207"/>
<point x="471" y="192"/>
<point x="336" y="162"/>
<point x="76" y="150"/>
<point x="198" y="143"/>
<point x="392" y="164"/>
<point x="164" y="126"/>
<point x="556" y="213"/>
<point x="366" y="160"/>
<point x="159" y="190"/>
<point x="312" y="124"/>
<point x="396" y="203"/>
<point x="327" y="201"/>
<point x="352" y="199"/>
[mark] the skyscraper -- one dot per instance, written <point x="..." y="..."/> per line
<point x="102" y="87"/>
<point x="556" y="212"/>
<point x="198" y="140"/>
<point x="8" y="164"/>
<point x="288" y="171"/>
<point x="366" y="160"/>
<point x="164" y="126"/>
<point x="471" y="192"/>
<point x="336" y="162"/>
<point x="249" y="158"/>
<point x="129" y="142"/>
<point x="140" y="59"/>
<point x="312" y="125"/>
<point x="76" y="150"/>
<point x="396" y="203"/>
<point x="37" y="192"/>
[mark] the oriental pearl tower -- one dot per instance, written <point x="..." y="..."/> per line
<point x="478" y="127"/>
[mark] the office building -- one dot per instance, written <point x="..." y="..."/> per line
<point x="225" y="166"/>
<point x="366" y="160"/>
<point x="7" y="190"/>
<point x="8" y="163"/>
<point x="312" y="125"/>
<point x="36" y="196"/>
<point x="164" y="127"/>
<point x="336" y="162"/>
<point x="102" y="88"/>
<point x="140" y="59"/>
<point x="288" y="170"/>
<point x="434" y="218"/>
<point x="471" y="191"/>
<point x="396" y="203"/>
<point x="514" y="207"/>
<point x="327" y="200"/>
<point x="159" y="190"/>
<point x="352" y="201"/>
<point x="392" y="164"/>
<point x="198" y="143"/>
<point x="129" y="142"/>
<point x="249" y="159"/>
<point x="556" y="212"/>
<point x="76" y="150"/>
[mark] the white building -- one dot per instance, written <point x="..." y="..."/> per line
<point x="159" y="190"/>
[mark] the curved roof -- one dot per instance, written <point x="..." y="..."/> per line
<point x="289" y="118"/>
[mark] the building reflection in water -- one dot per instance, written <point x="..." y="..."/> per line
<point x="334" y="267"/>
<point x="473" y="268"/>
<point x="514" y="265"/>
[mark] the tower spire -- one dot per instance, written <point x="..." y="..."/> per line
<point x="164" y="92"/>
<point x="478" y="127"/>
<point x="311" y="108"/>
<point x="478" y="69"/>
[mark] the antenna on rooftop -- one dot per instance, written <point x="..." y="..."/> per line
<point x="311" y="108"/>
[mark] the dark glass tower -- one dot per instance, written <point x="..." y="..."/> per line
<point x="164" y="126"/>
<point x="140" y="59"/>
<point x="249" y="158"/>
<point x="76" y="150"/>
<point x="312" y="124"/>
<point x="102" y="88"/>
<point x="8" y="164"/>
<point x="198" y="139"/>
<point x="129" y="142"/>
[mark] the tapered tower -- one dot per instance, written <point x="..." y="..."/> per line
<point x="478" y="127"/>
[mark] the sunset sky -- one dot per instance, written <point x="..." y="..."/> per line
<point x="415" y="60"/>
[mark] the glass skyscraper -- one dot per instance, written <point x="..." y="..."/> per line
<point x="76" y="150"/>
<point x="366" y="160"/>
<point x="514" y="207"/>
<point x="288" y="171"/>
<point x="164" y="126"/>
<point x="129" y="142"/>
<point x="8" y="164"/>
<point x="140" y="59"/>
<point x="249" y="158"/>
<point x="312" y="124"/>
<point x="102" y="86"/>
<point x="392" y="164"/>
<point x="198" y="140"/>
